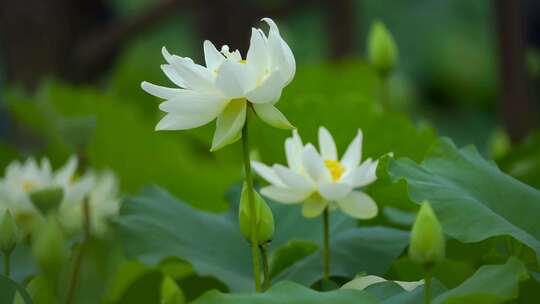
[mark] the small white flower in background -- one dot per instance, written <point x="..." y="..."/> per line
<point x="227" y="86"/>
<point x="23" y="179"/>
<point x="320" y="180"/>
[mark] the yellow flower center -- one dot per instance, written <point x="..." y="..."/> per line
<point x="243" y="61"/>
<point x="28" y="185"/>
<point x="336" y="169"/>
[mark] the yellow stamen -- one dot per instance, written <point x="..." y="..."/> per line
<point x="336" y="169"/>
<point x="243" y="61"/>
<point x="28" y="185"/>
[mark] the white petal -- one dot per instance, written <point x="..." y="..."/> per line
<point x="314" y="164"/>
<point x="334" y="191"/>
<point x="258" y="55"/>
<point x="192" y="102"/>
<point x="352" y="156"/>
<point x="284" y="195"/>
<point x="178" y="121"/>
<point x="173" y="75"/>
<point x="293" y="152"/>
<point x="313" y="207"/>
<point x="292" y="179"/>
<point x="268" y="91"/>
<point x="281" y="55"/>
<point x="365" y="174"/>
<point x="168" y="57"/>
<point x="159" y="91"/>
<point x="358" y="205"/>
<point x="272" y="116"/>
<point x="65" y="174"/>
<point x="212" y="56"/>
<point x="234" y="79"/>
<point x="267" y="173"/>
<point x="229" y="124"/>
<point x="196" y="77"/>
<point x="327" y="145"/>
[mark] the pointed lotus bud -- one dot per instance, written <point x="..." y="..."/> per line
<point x="9" y="233"/>
<point x="49" y="247"/>
<point x="47" y="200"/>
<point x="427" y="239"/>
<point x="382" y="51"/>
<point x="263" y="217"/>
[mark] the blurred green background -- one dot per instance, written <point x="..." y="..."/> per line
<point x="70" y="83"/>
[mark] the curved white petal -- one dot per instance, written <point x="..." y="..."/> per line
<point x="258" y="56"/>
<point x="284" y="195"/>
<point x="65" y="174"/>
<point x="168" y="57"/>
<point x="234" y="79"/>
<point x="358" y="205"/>
<point x="281" y="55"/>
<point x="267" y="173"/>
<point x="212" y="56"/>
<point x="173" y="75"/>
<point x="178" y="121"/>
<point x="292" y="179"/>
<point x="268" y="91"/>
<point x="327" y="145"/>
<point x="293" y="152"/>
<point x="229" y="124"/>
<point x="351" y="158"/>
<point x="313" y="207"/>
<point x="272" y="116"/>
<point x="365" y="174"/>
<point x="192" y="102"/>
<point x="196" y="77"/>
<point x="159" y="91"/>
<point x="334" y="191"/>
<point x="314" y="164"/>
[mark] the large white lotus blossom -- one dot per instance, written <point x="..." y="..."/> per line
<point x="321" y="180"/>
<point x="227" y="86"/>
<point x="22" y="179"/>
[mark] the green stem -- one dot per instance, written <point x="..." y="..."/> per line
<point x="251" y="203"/>
<point x="326" y="245"/>
<point x="384" y="92"/>
<point x="266" y="271"/>
<point x="427" y="285"/>
<point x="7" y="264"/>
<point x="74" y="278"/>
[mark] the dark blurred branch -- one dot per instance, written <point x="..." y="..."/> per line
<point x="340" y="15"/>
<point x="96" y="50"/>
<point x="517" y="109"/>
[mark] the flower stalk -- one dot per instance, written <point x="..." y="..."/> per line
<point x="427" y="286"/>
<point x="326" y="245"/>
<point x="74" y="278"/>
<point x="7" y="264"/>
<point x="266" y="269"/>
<point x="251" y="203"/>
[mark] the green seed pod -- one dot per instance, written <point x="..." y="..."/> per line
<point x="263" y="218"/>
<point x="427" y="239"/>
<point x="49" y="247"/>
<point x="9" y="233"/>
<point x="382" y="50"/>
<point x="47" y="200"/>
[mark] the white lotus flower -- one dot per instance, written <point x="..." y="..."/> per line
<point x="21" y="179"/>
<point x="227" y="86"/>
<point x="320" y="180"/>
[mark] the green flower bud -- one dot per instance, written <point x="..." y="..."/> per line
<point x="47" y="200"/>
<point x="427" y="239"/>
<point x="49" y="247"/>
<point x="263" y="217"/>
<point x="9" y="233"/>
<point x="382" y="51"/>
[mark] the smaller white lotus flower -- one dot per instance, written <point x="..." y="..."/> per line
<point x="23" y="179"/>
<point x="320" y="180"/>
<point x="227" y="86"/>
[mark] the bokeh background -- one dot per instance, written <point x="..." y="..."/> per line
<point x="70" y="73"/>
